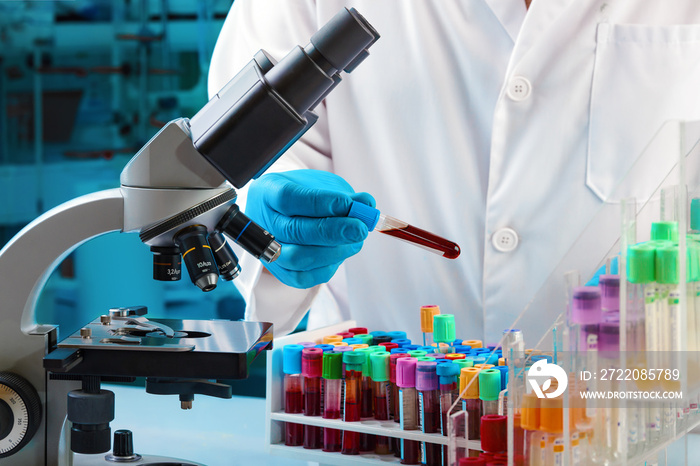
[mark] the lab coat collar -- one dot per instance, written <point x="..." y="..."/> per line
<point x="511" y="14"/>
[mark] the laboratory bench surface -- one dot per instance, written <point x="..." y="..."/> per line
<point x="215" y="432"/>
<point x="231" y="432"/>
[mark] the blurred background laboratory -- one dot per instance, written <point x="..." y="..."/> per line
<point x="83" y="86"/>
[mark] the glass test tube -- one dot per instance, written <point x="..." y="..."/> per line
<point x="332" y="399"/>
<point x="312" y="369"/>
<point x="408" y="408"/>
<point x="444" y="331"/>
<point x="293" y="393"/>
<point x="403" y="231"/>
<point x="489" y="390"/>
<point x="494" y="433"/>
<point x="552" y="425"/>
<point x="394" y="403"/>
<point x="351" y="406"/>
<point x="428" y="388"/>
<point x="379" y="363"/>
<point x="448" y="374"/>
<point x="586" y="311"/>
<point x="367" y="441"/>
<point x="426" y="322"/>
<point x="469" y="391"/>
<point x="530" y="422"/>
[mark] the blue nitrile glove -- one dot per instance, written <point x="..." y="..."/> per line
<point x="306" y="211"/>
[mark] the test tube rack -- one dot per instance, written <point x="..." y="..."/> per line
<point x="276" y="417"/>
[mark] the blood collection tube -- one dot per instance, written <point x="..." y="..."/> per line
<point x="307" y="344"/>
<point x="426" y="322"/>
<point x="330" y="339"/>
<point x="436" y="356"/>
<point x="403" y="231"/>
<point x="366" y="338"/>
<point x="473" y="343"/>
<point x="448" y="374"/>
<point x="530" y="422"/>
<point x="345" y="335"/>
<point x="586" y="312"/>
<point x="417" y="353"/>
<point x="428" y="388"/>
<point x="402" y="342"/>
<point x="351" y="407"/>
<point x="389" y="345"/>
<point x="444" y="331"/>
<point x="428" y="349"/>
<point x="379" y="367"/>
<point x="494" y="433"/>
<point x="367" y="441"/>
<point x="394" y="406"/>
<point x="408" y="408"/>
<point x="332" y="399"/>
<point x="325" y="347"/>
<point x="293" y="393"/>
<point x="469" y="391"/>
<point x="455" y="356"/>
<point x="356" y="330"/>
<point x="396" y="335"/>
<point x="312" y="370"/>
<point x="489" y="389"/>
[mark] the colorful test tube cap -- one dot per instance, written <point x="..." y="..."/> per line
<point x="312" y="362"/>
<point x="417" y="353"/>
<point x="326" y="347"/>
<point x="469" y="379"/>
<point x="444" y="328"/>
<point x="473" y="343"/>
<point x="396" y="335"/>
<point x="379" y="366"/>
<point x="330" y="339"/>
<point x="427" y="349"/>
<point x="332" y="366"/>
<point x="426" y="376"/>
<point x="401" y="341"/>
<point x="291" y="359"/>
<point x="389" y="345"/>
<point x="356" y="330"/>
<point x="427" y="313"/>
<point x="406" y="372"/>
<point x="489" y="384"/>
<point x="494" y="433"/>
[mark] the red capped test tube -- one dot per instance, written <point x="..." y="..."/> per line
<point x="293" y="393"/>
<point x="429" y="402"/>
<point x="379" y="368"/>
<point x="312" y="369"/>
<point x="358" y="330"/>
<point x="494" y="433"/>
<point x="351" y="408"/>
<point x="332" y="399"/>
<point x="408" y="403"/>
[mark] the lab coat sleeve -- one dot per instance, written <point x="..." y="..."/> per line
<point x="275" y="26"/>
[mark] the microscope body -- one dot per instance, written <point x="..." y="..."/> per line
<point x="178" y="194"/>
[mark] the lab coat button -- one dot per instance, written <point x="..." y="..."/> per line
<point x="505" y="239"/>
<point x="519" y="88"/>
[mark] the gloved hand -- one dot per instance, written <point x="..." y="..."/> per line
<point x="306" y="211"/>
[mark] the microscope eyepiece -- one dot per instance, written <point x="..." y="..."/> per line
<point x="196" y="252"/>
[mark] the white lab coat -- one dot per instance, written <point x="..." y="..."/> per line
<point x="468" y="117"/>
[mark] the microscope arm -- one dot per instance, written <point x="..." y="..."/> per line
<point x="27" y="261"/>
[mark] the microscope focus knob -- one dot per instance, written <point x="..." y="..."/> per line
<point x="20" y="413"/>
<point x="123" y="447"/>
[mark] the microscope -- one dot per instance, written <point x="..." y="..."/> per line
<point x="178" y="193"/>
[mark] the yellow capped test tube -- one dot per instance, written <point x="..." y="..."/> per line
<point x="339" y="343"/>
<point x="426" y="322"/>
<point x="330" y="339"/>
<point x="473" y="343"/>
<point x="359" y="345"/>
